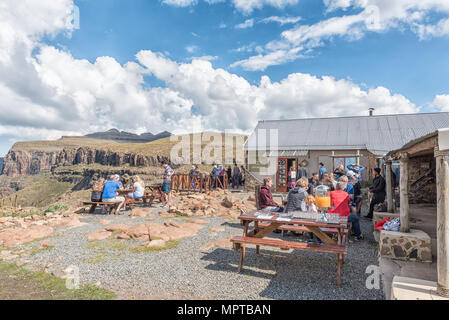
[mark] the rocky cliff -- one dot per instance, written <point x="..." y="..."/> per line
<point x="24" y="162"/>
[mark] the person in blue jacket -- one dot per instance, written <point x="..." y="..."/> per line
<point x="358" y="169"/>
<point x="322" y="170"/>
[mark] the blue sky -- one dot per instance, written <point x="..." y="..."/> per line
<point x="180" y="65"/>
<point x="396" y="59"/>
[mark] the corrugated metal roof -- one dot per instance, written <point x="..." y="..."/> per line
<point x="379" y="134"/>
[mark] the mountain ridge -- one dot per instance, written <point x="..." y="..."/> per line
<point x="123" y="136"/>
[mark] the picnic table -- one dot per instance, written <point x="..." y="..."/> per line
<point x="152" y="192"/>
<point x="264" y="225"/>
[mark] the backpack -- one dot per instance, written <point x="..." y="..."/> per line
<point x="98" y="185"/>
<point x="96" y="196"/>
<point x="97" y="190"/>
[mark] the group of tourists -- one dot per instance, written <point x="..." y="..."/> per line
<point x="235" y="176"/>
<point x="108" y="190"/>
<point x="345" y="194"/>
<point x="114" y="189"/>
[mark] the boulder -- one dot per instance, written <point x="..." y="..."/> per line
<point x="140" y="212"/>
<point x="122" y="235"/>
<point x="222" y="243"/>
<point x="117" y="227"/>
<point x="45" y="244"/>
<point x="104" y="221"/>
<point x="17" y="236"/>
<point x="98" y="235"/>
<point x="139" y="231"/>
<point x="227" y="202"/>
<point x="156" y="243"/>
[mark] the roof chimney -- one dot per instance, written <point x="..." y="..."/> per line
<point x="371" y="111"/>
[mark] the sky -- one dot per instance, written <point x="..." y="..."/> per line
<point x="75" y="67"/>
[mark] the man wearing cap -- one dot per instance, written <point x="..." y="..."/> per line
<point x="378" y="189"/>
<point x="357" y="201"/>
<point x="322" y="170"/>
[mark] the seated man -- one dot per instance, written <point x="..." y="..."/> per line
<point x="266" y="201"/>
<point x="340" y="202"/>
<point x="110" y="192"/>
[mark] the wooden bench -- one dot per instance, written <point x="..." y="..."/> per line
<point x="297" y="228"/>
<point x="112" y="207"/>
<point x="239" y="243"/>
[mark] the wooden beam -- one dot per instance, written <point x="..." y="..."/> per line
<point x="403" y="192"/>
<point x="389" y="186"/>
<point x="442" y="173"/>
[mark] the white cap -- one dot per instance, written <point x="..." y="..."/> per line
<point x="350" y="173"/>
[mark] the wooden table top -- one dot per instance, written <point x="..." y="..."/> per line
<point x="303" y="221"/>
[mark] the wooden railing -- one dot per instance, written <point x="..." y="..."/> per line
<point x="201" y="183"/>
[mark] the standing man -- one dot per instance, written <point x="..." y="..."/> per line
<point x="302" y="171"/>
<point x="322" y="170"/>
<point x="236" y="176"/>
<point x="168" y="172"/>
<point x="378" y="189"/>
<point x="313" y="183"/>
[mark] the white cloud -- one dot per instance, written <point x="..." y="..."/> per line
<point x="375" y="16"/>
<point x="229" y="101"/>
<point x="191" y="48"/>
<point x="180" y="3"/>
<point x="247" y="24"/>
<point x="246" y="6"/>
<point x="281" y="20"/>
<point x="51" y="93"/>
<point x="442" y="102"/>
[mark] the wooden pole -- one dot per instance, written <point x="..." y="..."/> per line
<point x="442" y="167"/>
<point x="403" y="191"/>
<point x="389" y="186"/>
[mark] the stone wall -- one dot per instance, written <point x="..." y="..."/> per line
<point x="418" y="166"/>
<point x="412" y="246"/>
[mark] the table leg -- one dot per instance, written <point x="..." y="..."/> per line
<point x="256" y="229"/>
<point x="242" y="256"/>
<point x="340" y="242"/>
<point x="339" y="269"/>
<point x="92" y="208"/>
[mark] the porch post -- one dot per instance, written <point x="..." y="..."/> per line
<point x="442" y="173"/>
<point x="403" y="191"/>
<point x="389" y="186"/>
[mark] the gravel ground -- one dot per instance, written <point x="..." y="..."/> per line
<point x="188" y="272"/>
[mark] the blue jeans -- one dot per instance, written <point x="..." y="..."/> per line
<point x="355" y="224"/>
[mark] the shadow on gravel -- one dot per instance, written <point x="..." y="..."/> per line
<point x="293" y="275"/>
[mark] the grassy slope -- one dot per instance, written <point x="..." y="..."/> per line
<point x="58" y="145"/>
<point x="17" y="283"/>
<point x="160" y="147"/>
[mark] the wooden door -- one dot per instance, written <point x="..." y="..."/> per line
<point x="281" y="183"/>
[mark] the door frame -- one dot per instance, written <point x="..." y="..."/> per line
<point x="284" y="189"/>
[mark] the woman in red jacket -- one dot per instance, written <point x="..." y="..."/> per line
<point x="340" y="203"/>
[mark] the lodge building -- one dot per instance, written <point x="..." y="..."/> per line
<point x="340" y="140"/>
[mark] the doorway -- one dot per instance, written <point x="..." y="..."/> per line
<point x="284" y="165"/>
